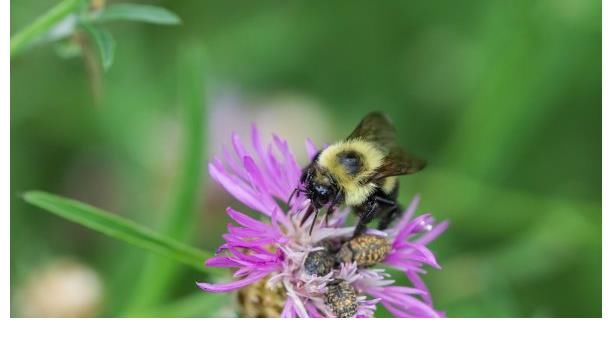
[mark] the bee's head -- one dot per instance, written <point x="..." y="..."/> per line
<point x="320" y="188"/>
<point x="320" y="194"/>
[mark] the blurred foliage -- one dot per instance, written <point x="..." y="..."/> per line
<point x="502" y="97"/>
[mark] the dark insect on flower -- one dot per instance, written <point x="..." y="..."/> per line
<point x="365" y="250"/>
<point x="360" y="172"/>
<point x="341" y="298"/>
<point x="319" y="263"/>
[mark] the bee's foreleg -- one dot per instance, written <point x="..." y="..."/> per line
<point x="307" y="214"/>
<point x="332" y="207"/>
<point x="291" y="196"/>
<point x="314" y="219"/>
<point x="295" y="193"/>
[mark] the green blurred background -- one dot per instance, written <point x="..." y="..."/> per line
<point x="502" y="97"/>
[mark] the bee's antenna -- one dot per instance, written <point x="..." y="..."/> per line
<point x="313" y="222"/>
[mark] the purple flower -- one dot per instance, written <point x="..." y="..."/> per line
<point x="273" y="246"/>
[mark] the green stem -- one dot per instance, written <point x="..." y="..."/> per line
<point x="41" y="25"/>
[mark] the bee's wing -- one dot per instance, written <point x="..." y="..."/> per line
<point x="398" y="162"/>
<point x="376" y="128"/>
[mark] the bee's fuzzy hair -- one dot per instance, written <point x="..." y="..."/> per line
<point x="372" y="158"/>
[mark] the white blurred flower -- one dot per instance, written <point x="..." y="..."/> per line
<point x="64" y="288"/>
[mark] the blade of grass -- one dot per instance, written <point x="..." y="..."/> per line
<point x="41" y="25"/>
<point x="158" y="273"/>
<point x="120" y="228"/>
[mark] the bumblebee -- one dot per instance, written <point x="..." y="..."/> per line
<point x="341" y="298"/>
<point x="365" y="250"/>
<point x="360" y="172"/>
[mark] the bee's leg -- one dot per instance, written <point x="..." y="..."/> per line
<point x="370" y="210"/>
<point x="330" y="211"/>
<point x="296" y="192"/>
<point x="313" y="222"/>
<point x="359" y="229"/>
<point x="293" y="193"/>
<point x="392" y="210"/>
<point x="332" y="207"/>
<point x="307" y="214"/>
<point x="391" y="214"/>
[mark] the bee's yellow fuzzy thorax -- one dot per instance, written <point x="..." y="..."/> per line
<point x="372" y="158"/>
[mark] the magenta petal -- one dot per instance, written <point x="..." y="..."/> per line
<point x="254" y="174"/>
<point x="222" y="262"/>
<point x="288" y="309"/>
<point x="426" y="254"/>
<point x="247" y="258"/>
<point x="224" y="287"/>
<point x="294" y="170"/>
<point x="418" y="283"/>
<point x="433" y="233"/>
<point x="312" y="311"/>
<point x="238" y="147"/>
<point x="311" y="148"/>
<point x="235" y="189"/>
<point x="395" y="311"/>
<point x="259" y="184"/>
<point x="245" y="220"/>
<point x="278" y="168"/>
<point x="412" y="226"/>
<point x="243" y="232"/>
<point x="401" y="312"/>
<point x="403" y="264"/>
<point x="276" y="187"/>
<point x="406" y="290"/>
<point x="233" y="163"/>
<point x="401" y="304"/>
<point x="409" y="212"/>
